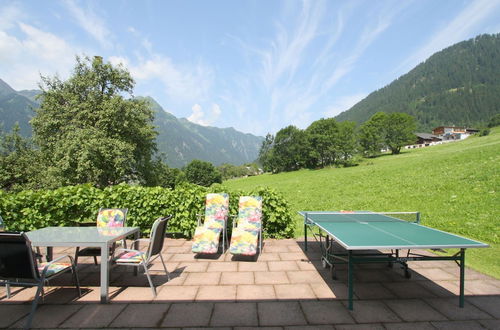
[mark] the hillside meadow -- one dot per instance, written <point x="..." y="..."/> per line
<point x="454" y="186"/>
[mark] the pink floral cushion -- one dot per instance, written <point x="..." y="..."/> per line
<point x="110" y="218"/>
<point x="53" y="268"/>
<point x="131" y="257"/>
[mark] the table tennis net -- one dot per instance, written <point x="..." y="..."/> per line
<point x="362" y="216"/>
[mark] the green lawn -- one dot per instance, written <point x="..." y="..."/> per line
<point x="454" y="186"/>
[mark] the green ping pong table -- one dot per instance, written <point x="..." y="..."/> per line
<point x="364" y="235"/>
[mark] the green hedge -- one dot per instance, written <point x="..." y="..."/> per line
<point x="72" y="205"/>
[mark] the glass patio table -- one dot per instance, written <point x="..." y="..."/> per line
<point x="84" y="237"/>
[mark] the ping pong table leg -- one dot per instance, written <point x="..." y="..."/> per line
<point x="305" y="233"/>
<point x="462" y="277"/>
<point x="350" y="281"/>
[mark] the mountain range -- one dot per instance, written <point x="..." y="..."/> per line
<point x="182" y="141"/>
<point x="459" y="85"/>
<point x="179" y="140"/>
<point x="16" y="107"/>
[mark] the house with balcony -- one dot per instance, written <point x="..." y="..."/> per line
<point x="453" y="133"/>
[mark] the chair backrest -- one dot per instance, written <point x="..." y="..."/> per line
<point x="216" y="210"/>
<point x="157" y="236"/>
<point x="250" y="212"/>
<point x="111" y="217"/>
<point x="16" y="257"/>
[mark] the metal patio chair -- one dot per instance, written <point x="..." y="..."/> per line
<point x="38" y="254"/>
<point x="18" y="266"/>
<point x="137" y="258"/>
<point x="105" y="218"/>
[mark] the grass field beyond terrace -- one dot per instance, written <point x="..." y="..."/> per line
<point x="454" y="186"/>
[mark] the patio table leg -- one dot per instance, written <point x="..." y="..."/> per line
<point x="50" y="253"/>
<point x="136" y="247"/>
<point x="104" y="273"/>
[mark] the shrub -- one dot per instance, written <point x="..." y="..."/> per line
<point x="72" y="205"/>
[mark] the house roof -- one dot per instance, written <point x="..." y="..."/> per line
<point x="427" y="136"/>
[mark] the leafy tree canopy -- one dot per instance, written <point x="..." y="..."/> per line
<point x="400" y="131"/>
<point x="372" y="134"/>
<point x="202" y="173"/>
<point x="290" y="149"/>
<point x="323" y="140"/>
<point x="266" y="153"/>
<point x="17" y="160"/>
<point x="89" y="132"/>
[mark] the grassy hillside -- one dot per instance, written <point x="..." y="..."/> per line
<point x="455" y="187"/>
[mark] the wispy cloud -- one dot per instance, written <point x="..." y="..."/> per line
<point x="9" y="15"/>
<point x="28" y="51"/>
<point x="304" y="60"/>
<point x="205" y="118"/>
<point x="182" y="82"/>
<point x="371" y="31"/>
<point x="289" y="47"/>
<point x="460" y="28"/>
<point x="343" y="103"/>
<point x="92" y="23"/>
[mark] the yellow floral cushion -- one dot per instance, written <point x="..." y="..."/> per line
<point x="244" y="242"/>
<point x="53" y="268"/>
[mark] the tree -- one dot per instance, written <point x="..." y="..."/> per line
<point x="164" y="176"/>
<point x="372" y="134"/>
<point x="323" y="137"/>
<point x="18" y="160"/>
<point x="202" y="173"/>
<point x="88" y="132"/>
<point x="494" y="121"/>
<point x="266" y="153"/>
<point x="400" y="131"/>
<point x="229" y="171"/>
<point x="347" y="142"/>
<point x="290" y="149"/>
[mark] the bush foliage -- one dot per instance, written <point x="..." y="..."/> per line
<point x="73" y="205"/>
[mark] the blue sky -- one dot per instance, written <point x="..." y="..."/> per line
<point x="257" y="66"/>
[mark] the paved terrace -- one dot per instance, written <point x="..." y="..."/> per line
<point x="284" y="289"/>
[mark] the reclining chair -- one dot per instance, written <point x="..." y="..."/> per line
<point x="207" y="236"/>
<point x="248" y="233"/>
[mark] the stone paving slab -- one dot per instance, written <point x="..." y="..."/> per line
<point x="283" y="288"/>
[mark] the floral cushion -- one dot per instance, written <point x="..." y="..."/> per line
<point x="206" y="238"/>
<point x="53" y="268"/>
<point x="246" y="235"/>
<point x="244" y="242"/>
<point x="216" y="209"/>
<point x="131" y="257"/>
<point x="111" y="218"/>
<point x="250" y="212"/>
